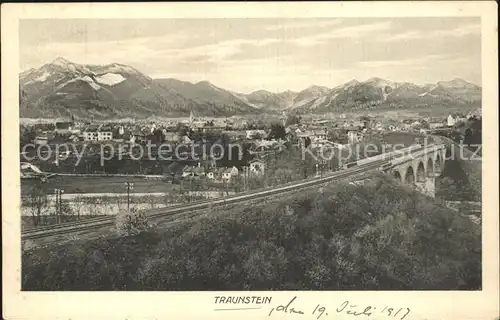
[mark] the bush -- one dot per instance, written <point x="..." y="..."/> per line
<point x="131" y="222"/>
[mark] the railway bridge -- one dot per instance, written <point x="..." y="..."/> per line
<point x="419" y="169"/>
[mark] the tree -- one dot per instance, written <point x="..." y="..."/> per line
<point x="468" y="136"/>
<point x="79" y="204"/>
<point x="424" y="124"/>
<point x="27" y="135"/>
<point x="293" y="119"/>
<point x="65" y="210"/>
<point x="277" y="131"/>
<point x="37" y="201"/>
<point x="365" y="120"/>
<point x="131" y="222"/>
<point x="307" y="142"/>
<point x="156" y="137"/>
<point x="181" y="129"/>
<point x="473" y="132"/>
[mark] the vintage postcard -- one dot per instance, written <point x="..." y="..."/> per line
<point x="303" y="160"/>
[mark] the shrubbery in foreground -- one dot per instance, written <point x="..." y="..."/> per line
<point x="131" y="222"/>
<point x="377" y="236"/>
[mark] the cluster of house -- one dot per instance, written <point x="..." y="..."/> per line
<point x="314" y="131"/>
<point x="224" y="174"/>
<point x="131" y="132"/>
<point x="74" y="133"/>
<point x="455" y="118"/>
<point x="316" y="138"/>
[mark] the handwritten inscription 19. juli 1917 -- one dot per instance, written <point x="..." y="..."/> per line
<point x="345" y="308"/>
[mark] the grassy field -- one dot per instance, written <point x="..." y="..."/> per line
<point x="100" y="185"/>
<point x="406" y="138"/>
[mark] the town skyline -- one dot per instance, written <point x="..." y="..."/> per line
<point x="267" y="54"/>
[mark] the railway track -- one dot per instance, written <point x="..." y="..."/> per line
<point x="177" y="212"/>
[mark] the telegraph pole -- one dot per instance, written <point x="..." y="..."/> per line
<point x="191" y="189"/>
<point x="129" y="186"/>
<point x="60" y="205"/>
<point x="58" y="193"/>
<point x="245" y="178"/>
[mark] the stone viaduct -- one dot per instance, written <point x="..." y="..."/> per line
<point x="420" y="168"/>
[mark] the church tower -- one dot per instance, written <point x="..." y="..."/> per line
<point x="191" y="118"/>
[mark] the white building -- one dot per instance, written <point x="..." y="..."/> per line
<point x="64" y="127"/>
<point x="41" y="140"/>
<point x="97" y="134"/>
<point x="184" y="140"/>
<point x="104" y="135"/>
<point x="319" y="143"/>
<point x="434" y="125"/>
<point x="354" y="136"/>
<point x="211" y="175"/>
<point x="257" y="167"/>
<point x="320" y="134"/>
<point x="256" y="134"/>
<point x="229" y="173"/>
<point x="450" y="121"/>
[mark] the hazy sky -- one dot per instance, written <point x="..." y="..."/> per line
<point x="273" y="54"/>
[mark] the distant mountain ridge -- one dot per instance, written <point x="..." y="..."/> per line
<point x="376" y="93"/>
<point x="62" y="88"/>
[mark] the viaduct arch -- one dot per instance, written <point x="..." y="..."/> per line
<point x="419" y="170"/>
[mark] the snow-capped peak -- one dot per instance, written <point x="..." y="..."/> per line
<point x="316" y="89"/>
<point x="110" y="79"/>
<point x="380" y="83"/>
<point x="26" y="72"/>
<point x="86" y="79"/>
<point x="117" y="68"/>
<point x="348" y="84"/>
<point x="456" y="83"/>
<point x="60" y="62"/>
<point x="353" y="82"/>
<point x="262" y="93"/>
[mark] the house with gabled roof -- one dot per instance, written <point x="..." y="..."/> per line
<point x="257" y="167"/>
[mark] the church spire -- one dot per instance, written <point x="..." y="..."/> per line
<point x="191" y="117"/>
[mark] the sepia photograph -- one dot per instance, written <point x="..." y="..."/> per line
<point x="241" y="154"/>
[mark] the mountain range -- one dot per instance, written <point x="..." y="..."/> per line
<point x="61" y="88"/>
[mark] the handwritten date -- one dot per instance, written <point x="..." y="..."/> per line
<point x="355" y="310"/>
<point x="345" y="308"/>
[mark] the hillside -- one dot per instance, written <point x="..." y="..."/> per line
<point x="461" y="179"/>
<point x="372" y="237"/>
<point x="62" y="88"/>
